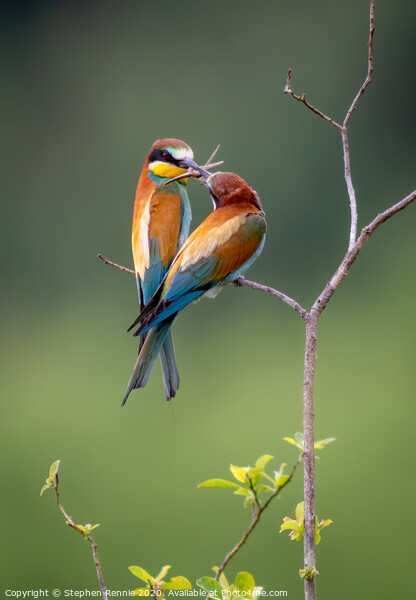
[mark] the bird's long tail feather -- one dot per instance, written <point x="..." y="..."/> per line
<point x="171" y="379"/>
<point x="147" y="356"/>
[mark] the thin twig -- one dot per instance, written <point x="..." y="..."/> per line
<point x="344" y="134"/>
<point x="350" y="188"/>
<point x="269" y="290"/>
<point x="369" y="68"/>
<point x="94" y="548"/>
<point x="257" y="505"/>
<point x="302" y="98"/>
<point x="211" y="158"/>
<point x="112" y="264"/>
<point x="194" y="173"/>
<point x="256" y="517"/>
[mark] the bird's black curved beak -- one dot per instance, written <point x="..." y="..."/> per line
<point x="188" y="163"/>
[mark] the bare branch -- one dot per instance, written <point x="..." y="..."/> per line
<point x="309" y="553"/>
<point x="194" y="173"/>
<point x="350" y="188"/>
<point x="344" y="133"/>
<point x="256" y="517"/>
<point x="269" y="290"/>
<point x="302" y="98"/>
<point x="112" y="264"/>
<point x="211" y="158"/>
<point x="369" y="69"/>
<point x="94" y="548"/>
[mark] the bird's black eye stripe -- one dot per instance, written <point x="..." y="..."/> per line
<point x="163" y="156"/>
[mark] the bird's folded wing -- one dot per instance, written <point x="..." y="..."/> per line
<point x="203" y="263"/>
<point x="155" y="238"/>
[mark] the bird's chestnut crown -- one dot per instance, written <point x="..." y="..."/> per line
<point x="229" y="188"/>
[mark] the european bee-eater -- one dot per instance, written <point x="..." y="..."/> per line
<point x="161" y="221"/>
<point x="220" y="250"/>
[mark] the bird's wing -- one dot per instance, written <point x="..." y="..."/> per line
<point x="210" y="257"/>
<point x="157" y="230"/>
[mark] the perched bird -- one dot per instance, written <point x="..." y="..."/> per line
<point x="161" y="221"/>
<point x="221" y="249"/>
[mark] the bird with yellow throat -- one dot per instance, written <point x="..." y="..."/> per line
<point x="218" y="252"/>
<point x="161" y="222"/>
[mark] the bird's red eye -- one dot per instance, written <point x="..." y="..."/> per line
<point x="166" y="156"/>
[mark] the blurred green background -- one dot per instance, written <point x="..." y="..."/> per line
<point x="87" y="87"/>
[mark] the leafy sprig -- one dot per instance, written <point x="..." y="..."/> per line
<point x="252" y="481"/>
<point x="297" y="524"/>
<point x="299" y="443"/>
<point x="52" y="482"/>
<point x="156" y="586"/>
<point x="243" y="588"/>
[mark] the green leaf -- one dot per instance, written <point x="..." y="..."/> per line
<point x="244" y="583"/>
<point x="44" y="488"/>
<point x="300" y="512"/>
<point x="142" y="574"/>
<point x="239" y="473"/>
<point x="255" y="476"/>
<point x="298" y="441"/>
<point x="54" y="468"/>
<point x="178" y="583"/>
<point x="163" y="572"/>
<point x="142" y="592"/>
<point x="318" y="527"/>
<point x="248" y="501"/>
<point x="324" y="523"/>
<point x="322" y="443"/>
<point x="287" y="524"/>
<point x="309" y="573"/>
<point x="281" y="481"/>
<point x="262" y="461"/>
<point x="241" y="492"/>
<point x="299" y="438"/>
<point x="296" y="526"/>
<point x="85" y="530"/>
<point x="212" y="587"/>
<point x="218" y="483"/>
<point x="52" y="480"/>
<point x="290" y="441"/>
<point x="263" y="488"/>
